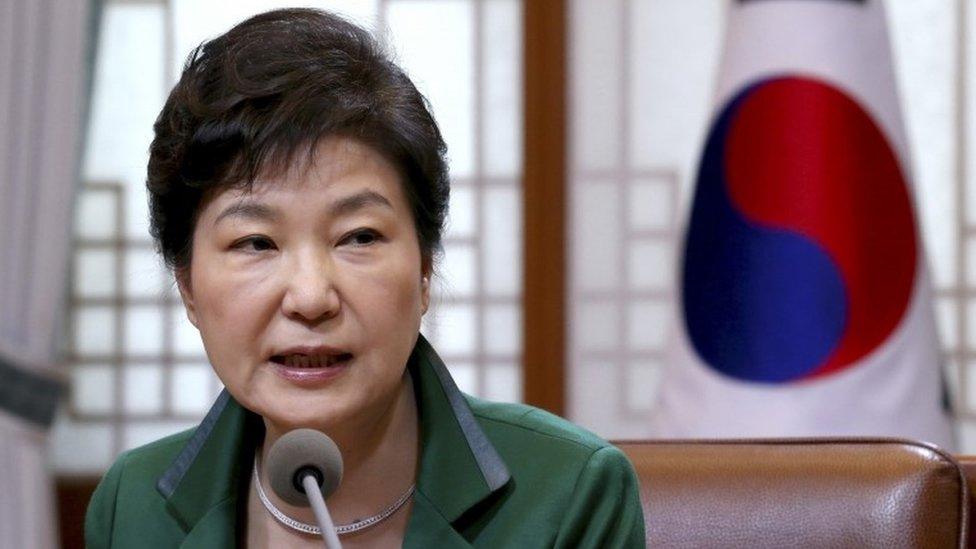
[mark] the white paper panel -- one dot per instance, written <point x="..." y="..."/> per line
<point x="142" y="388"/>
<point x="651" y="205"/>
<point x="945" y="315"/>
<point x="93" y="389"/>
<point x="502" y="241"/>
<point x="465" y="375"/>
<point x="503" y="382"/>
<point x="458" y="270"/>
<point x="95" y="215"/>
<point x="595" y="256"/>
<point x="144" y="330"/>
<point x="186" y="337"/>
<point x="595" y="98"/>
<point x="136" y="433"/>
<point x="923" y="38"/>
<point x="642" y="384"/>
<point x="191" y="392"/>
<point x="674" y="51"/>
<point x="596" y="326"/>
<point x="461" y="219"/>
<point x="647" y="325"/>
<point x="503" y="330"/>
<point x="434" y="43"/>
<point x="456" y="330"/>
<point x="650" y="265"/>
<point x="94" y="330"/>
<point x="970" y="387"/>
<point x="501" y="87"/>
<point x="145" y="275"/>
<point x="80" y="448"/>
<point x="94" y="274"/>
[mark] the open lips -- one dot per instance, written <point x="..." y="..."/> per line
<point x="300" y="360"/>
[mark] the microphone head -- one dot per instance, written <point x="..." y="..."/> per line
<point x="300" y="450"/>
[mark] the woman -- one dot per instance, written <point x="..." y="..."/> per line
<point x="298" y="190"/>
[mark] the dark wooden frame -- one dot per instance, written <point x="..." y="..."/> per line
<point x="544" y="205"/>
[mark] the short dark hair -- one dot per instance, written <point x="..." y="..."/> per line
<point x="249" y="101"/>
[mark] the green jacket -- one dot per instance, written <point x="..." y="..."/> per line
<point x="491" y="475"/>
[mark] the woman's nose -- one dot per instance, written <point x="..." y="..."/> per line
<point x="311" y="294"/>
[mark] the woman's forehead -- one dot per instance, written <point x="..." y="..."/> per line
<point x="336" y="170"/>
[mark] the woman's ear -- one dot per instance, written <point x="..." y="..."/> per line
<point x="186" y="294"/>
<point x="424" y="294"/>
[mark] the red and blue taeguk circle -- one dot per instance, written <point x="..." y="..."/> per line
<point x="802" y="246"/>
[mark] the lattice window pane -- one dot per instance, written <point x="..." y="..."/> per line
<point x="502" y="330"/>
<point x="594" y="49"/>
<point x="78" y="447"/>
<point x="945" y="315"/>
<point x="144" y="330"/>
<point x="462" y="220"/>
<point x="501" y="109"/>
<point x="95" y="215"/>
<point x="652" y="205"/>
<point x="465" y="374"/>
<point x="503" y="382"/>
<point x="186" y="337"/>
<point x="136" y="433"/>
<point x="596" y="326"/>
<point x="93" y="389"/>
<point x="650" y="265"/>
<point x="647" y="325"/>
<point x="143" y="389"/>
<point x="434" y="42"/>
<point x="94" y="274"/>
<point x="670" y="78"/>
<point x="456" y="329"/>
<point x="94" y="330"/>
<point x="145" y="275"/>
<point x="923" y="41"/>
<point x="596" y="251"/>
<point x="501" y="241"/>
<point x="193" y="388"/>
<point x="642" y="380"/>
<point x="458" y="270"/>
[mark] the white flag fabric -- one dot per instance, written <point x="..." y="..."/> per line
<point x="804" y="302"/>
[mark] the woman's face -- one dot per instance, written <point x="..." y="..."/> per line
<point x="308" y="291"/>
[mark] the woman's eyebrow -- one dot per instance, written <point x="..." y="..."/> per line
<point x="362" y="199"/>
<point x="248" y="210"/>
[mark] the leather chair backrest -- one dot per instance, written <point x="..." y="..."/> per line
<point x="800" y="493"/>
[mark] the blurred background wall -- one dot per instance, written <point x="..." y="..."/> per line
<point x="638" y="86"/>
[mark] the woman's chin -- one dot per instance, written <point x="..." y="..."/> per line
<point x="324" y="418"/>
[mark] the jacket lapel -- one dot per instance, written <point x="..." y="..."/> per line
<point x="216" y="528"/>
<point x="459" y="467"/>
<point x="201" y="486"/>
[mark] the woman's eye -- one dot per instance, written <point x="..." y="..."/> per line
<point x="362" y="237"/>
<point x="254" y="244"/>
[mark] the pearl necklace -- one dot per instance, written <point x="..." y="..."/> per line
<point x="342" y="529"/>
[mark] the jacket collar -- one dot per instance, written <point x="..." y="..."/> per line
<point x="459" y="467"/>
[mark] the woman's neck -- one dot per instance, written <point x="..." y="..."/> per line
<point x="379" y="462"/>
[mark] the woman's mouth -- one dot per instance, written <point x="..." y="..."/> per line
<point x="310" y="368"/>
<point x="296" y="360"/>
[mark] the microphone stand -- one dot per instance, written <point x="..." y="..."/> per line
<point x="322" y="516"/>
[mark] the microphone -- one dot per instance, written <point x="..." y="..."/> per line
<point x="305" y="467"/>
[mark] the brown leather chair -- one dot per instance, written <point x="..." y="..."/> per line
<point x="882" y="493"/>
